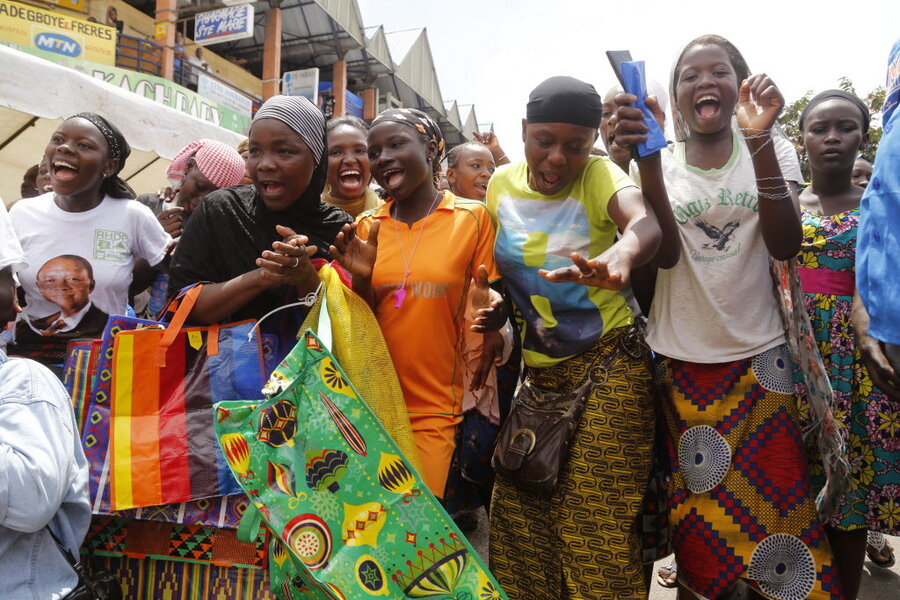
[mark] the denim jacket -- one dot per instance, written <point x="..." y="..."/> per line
<point x="43" y="480"/>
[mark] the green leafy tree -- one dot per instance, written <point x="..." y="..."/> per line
<point x="790" y="121"/>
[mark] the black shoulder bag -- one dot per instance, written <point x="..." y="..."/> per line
<point x="533" y="442"/>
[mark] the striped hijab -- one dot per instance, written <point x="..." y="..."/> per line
<point x="302" y="116"/>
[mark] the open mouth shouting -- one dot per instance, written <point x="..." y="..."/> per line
<point x="392" y="177"/>
<point x="351" y="179"/>
<point x="63" y="171"/>
<point x="707" y="107"/>
<point x="271" y="188"/>
<point x="547" y="182"/>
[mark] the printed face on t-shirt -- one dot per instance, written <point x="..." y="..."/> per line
<point x="66" y="282"/>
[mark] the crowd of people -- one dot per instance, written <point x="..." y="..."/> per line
<point x="660" y="297"/>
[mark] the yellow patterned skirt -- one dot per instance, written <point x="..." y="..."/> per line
<point x="739" y="494"/>
<point x="581" y="541"/>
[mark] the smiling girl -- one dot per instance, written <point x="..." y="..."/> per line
<point x="348" y="167"/>
<point x="413" y="259"/>
<point x="469" y="168"/>
<point x="82" y="240"/>
<point x="740" y="498"/>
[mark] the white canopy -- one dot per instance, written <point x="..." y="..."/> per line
<point x="37" y="94"/>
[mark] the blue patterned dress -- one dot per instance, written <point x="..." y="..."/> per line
<point x="870" y="422"/>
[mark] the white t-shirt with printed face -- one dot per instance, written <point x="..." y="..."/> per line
<point x="717" y="303"/>
<point x="81" y="260"/>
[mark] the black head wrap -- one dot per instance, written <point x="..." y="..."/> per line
<point x="842" y="95"/>
<point x="119" y="149"/>
<point x="422" y="123"/>
<point x="565" y="100"/>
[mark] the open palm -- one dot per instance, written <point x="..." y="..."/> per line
<point x="355" y="254"/>
<point x="759" y="104"/>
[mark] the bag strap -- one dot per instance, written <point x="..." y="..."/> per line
<point x="633" y="337"/>
<point x="323" y="328"/>
<point x="248" y="528"/>
<point x="174" y="327"/>
<point x="77" y="566"/>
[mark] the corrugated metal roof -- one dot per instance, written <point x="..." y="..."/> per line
<point x="377" y="46"/>
<point x="469" y="120"/>
<point x="346" y="14"/>
<point x="317" y="32"/>
<point x="416" y="67"/>
<point x="452" y="113"/>
<point x="401" y="42"/>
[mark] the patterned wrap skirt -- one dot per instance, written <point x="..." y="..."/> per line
<point x="581" y="541"/>
<point x="740" y="497"/>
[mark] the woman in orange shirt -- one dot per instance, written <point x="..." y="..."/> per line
<point x="417" y="283"/>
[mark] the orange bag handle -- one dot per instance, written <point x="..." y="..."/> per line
<point x="174" y="327"/>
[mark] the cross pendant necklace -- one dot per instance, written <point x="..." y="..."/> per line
<point x="400" y="293"/>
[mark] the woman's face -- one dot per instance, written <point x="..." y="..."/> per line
<point x="400" y="159"/>
<point x="280" y="163"/>
<point x="469" y="178"/>
<point x="42" y="183"/>
<point x="556" y="154"/>
<point x="348" y="162"/>
<point x="78" y="158"/>
<point x="194" y="189"/>
<point x="707" y="89"/>
<point x="617" y="153"/>
<point x="833" y="136"/>
<point x="862" y="172"/>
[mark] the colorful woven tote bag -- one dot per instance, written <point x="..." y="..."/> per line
<point x="165" y="383"/>
<point x="95" y="433"/>
<point x="79" y="371"/>
<point x="351" y="519"/>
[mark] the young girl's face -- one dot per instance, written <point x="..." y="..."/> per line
<point x="556" y="154"/>
<point x="862" y="172"/>
<point x="706" y="89"/>
<point x="617" y="153"/>
<point x="281" y="165"/>
<point x="399" y="158"/>
<point x="474" y="167"/>
<point x="833" y="135"/>
<point x="348" y="162"/>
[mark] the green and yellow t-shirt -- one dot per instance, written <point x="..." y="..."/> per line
<point x="556" y="320"/>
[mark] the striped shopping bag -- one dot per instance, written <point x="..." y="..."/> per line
<point x="165" y="384"/>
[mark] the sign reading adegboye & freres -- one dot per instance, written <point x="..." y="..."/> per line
<point x="56" y="32"/>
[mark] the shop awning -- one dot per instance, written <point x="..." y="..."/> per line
<point x="37" y="94"/>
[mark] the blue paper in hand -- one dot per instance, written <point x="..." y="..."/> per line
<point x="635" y="82"/>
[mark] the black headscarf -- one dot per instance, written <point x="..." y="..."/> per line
<point x="565" y="100"/>
<point x="422" y="123"/>
<point x="119" y="150"/>
<point x="842" y="95"/>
